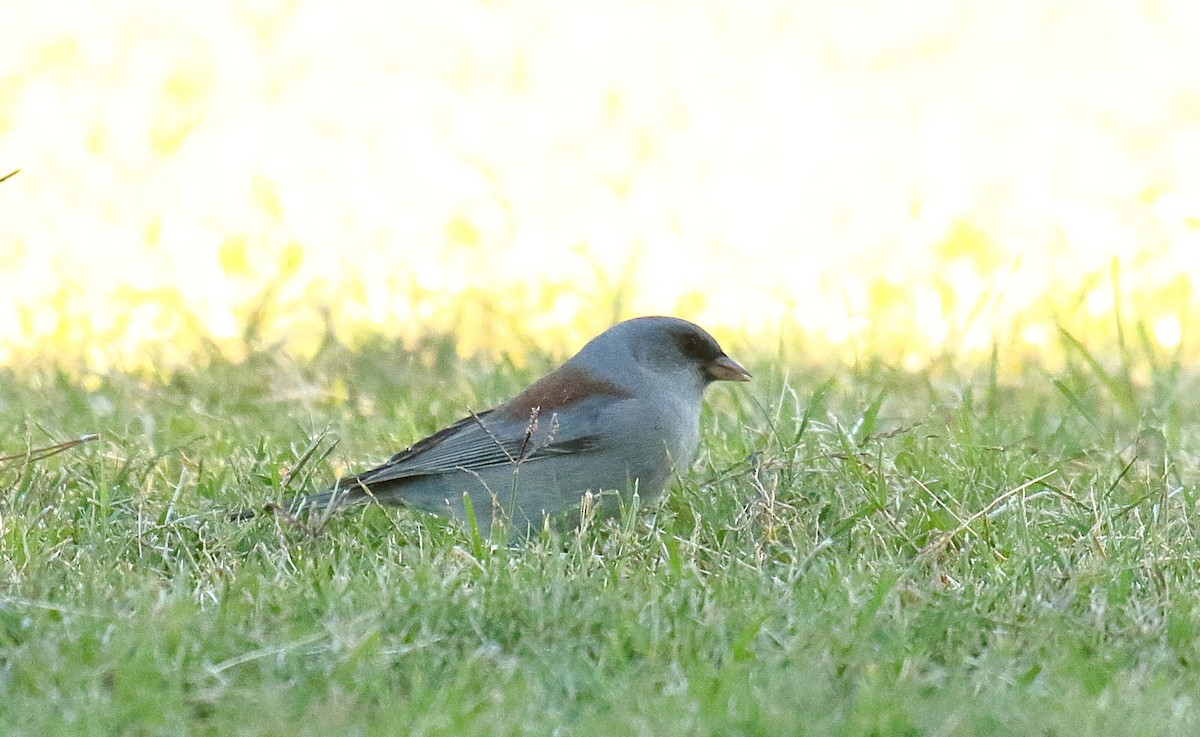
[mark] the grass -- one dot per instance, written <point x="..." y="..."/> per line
<point x="859" y="551"/>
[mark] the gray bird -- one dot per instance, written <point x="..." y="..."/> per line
<point x="622" y="415"/>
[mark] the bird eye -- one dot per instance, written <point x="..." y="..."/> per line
<point x="694" y="346"/>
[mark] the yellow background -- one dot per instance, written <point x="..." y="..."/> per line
<point x="914" y="178"/>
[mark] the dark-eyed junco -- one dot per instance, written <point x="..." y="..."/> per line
<point x="621" y="416"/>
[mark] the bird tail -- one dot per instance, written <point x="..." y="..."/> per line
<point x="336" y="498"/>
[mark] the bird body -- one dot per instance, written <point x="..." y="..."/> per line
<point x="622" y="415"/>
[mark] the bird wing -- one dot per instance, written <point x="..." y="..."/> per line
<point x="475" y="442"/>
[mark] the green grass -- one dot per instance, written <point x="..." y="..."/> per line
<point x="858" y="551"/>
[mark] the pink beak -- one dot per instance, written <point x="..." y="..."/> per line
<point x="725" y="368"/>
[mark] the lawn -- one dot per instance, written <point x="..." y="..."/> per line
<point x="859" y="550"/>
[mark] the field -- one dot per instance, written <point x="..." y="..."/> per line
<point x="859" y="550"/>
<point x="254" y="245"/>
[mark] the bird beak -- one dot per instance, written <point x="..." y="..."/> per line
<point x="725" y="368"/>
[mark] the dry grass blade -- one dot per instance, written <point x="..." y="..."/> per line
<point x="37" y="454"/>
<point x="303" y="461"/>
<point x="496" y="440"/>
<point x="944" y="539"/>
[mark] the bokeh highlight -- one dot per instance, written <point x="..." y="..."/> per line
<point x="915" y="180"/>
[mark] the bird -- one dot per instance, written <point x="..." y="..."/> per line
<point x="621" y="416"/>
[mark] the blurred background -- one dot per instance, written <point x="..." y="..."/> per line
<point x="912" y="180"/>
